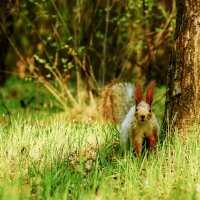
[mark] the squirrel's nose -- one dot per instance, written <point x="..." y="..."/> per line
<point x="142" y="116"/>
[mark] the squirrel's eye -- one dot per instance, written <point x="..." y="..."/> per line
<point x="136" y="109"/>
<point x="150" y="110"/>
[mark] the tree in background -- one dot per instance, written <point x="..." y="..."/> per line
<point x="183" y="94"/>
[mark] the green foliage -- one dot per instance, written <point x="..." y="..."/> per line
<point x="64" y="43"/>
<point x="42" y="159"/>
<point x="19" y="95"/>
<point x="109" y="36"/>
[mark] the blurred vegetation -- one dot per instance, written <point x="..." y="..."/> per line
<point x="75" y="46"/>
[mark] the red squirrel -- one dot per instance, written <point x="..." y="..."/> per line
<point x="123" y="104"/>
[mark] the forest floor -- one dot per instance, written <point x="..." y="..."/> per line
<point x="46" y="155"/>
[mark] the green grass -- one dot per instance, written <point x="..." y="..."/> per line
<point x="18" y="95"/>
<point x="54" y="158"/>
<point x="46" y="155"/>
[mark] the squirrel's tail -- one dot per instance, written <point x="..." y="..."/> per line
<point x="117" y="99"/>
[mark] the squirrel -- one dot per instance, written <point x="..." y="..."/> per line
<point x="122" y="103"/>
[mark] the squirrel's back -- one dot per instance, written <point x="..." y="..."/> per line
<point x="116" y="101"/>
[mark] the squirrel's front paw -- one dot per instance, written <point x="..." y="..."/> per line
<point x="151" y="142"/>
<point x="137" y="148"/>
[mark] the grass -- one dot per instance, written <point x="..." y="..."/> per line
<point x="19" y="95"/>
<point x="58" y="159"/>
<point x="46" y="155"/>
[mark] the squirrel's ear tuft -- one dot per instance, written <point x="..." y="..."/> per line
<point x="150" y="91"/>
<point x="138" y="92"/>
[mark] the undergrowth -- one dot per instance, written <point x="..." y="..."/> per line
<point x="55" y="158"/>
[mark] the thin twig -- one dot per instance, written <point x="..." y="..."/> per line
<point x="60" y="16"/>
<point x="103" y="64"/>
<point x="12" y="44"/>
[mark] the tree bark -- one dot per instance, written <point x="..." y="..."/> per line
<point x="182" y="107"/>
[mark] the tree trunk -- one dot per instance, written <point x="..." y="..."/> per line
<point x="183" y="94"/>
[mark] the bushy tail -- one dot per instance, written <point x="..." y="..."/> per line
<point x="116" y="101"/>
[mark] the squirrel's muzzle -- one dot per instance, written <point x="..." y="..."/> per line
<point x="142" y="117"/>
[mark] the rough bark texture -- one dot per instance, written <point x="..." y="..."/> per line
<point x="183" y="94"/>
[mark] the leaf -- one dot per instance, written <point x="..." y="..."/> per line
<point x="48" y="76"/>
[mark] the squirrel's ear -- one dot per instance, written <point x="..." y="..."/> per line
<point x="138" y="93"/>
<point x="150" y="91"/>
